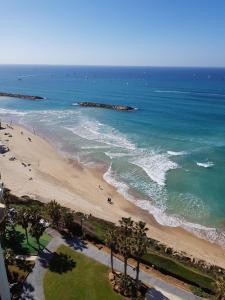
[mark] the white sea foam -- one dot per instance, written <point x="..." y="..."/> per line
<point x="102" y="133"/>
<point x="159" y="214"/>
<point x="171" y="92"/>
<point x="155" y="165"/>
<point x="121" y="187"/>
<point x="207" y="164"/>
<point x="176" y="153"/>
<point x="95" y="147"/>
<point x="115" y="154"/>
<point x="4" y="111"/>
<point x="209" y="233"/>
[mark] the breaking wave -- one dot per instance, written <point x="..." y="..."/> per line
<point x="171" y="92"/>
<point x="176" y="153"/>
<point x="115" y="154"/>
<point x="4" y="111"/>
<point x="159" y="212"/>
<point x="155" y="166"/>
<point x="121" y="187"/>
<point x="208" y="164"/>
<point x="95" y="131"/>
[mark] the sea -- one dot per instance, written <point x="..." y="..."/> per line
<point x="167" y="156"/>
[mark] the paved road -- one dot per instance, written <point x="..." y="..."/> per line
<point x="33" y="287"/>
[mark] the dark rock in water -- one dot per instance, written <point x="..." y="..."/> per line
<point x="2" y="94"/>
<point x="108" y="106"/>
<point x="3" y="149"/>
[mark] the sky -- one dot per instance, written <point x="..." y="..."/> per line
<point x="113" y="32"/>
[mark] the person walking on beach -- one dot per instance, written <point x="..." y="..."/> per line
<point x="109" y="200"/>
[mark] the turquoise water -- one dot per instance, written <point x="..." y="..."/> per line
<point x="171" y="150"/>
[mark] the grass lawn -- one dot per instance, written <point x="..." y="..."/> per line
<point x="72" y="275"/>
<point x="18" y="242"/>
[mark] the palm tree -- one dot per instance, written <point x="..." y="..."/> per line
<point x="219" y="288"/>
<point x="3" y="226"/>
<point x="124" y="242"/>
<point x="139" y="245"/>
<point x="9" y="257"/>
<point x="110" y="240"/>
<point x="37" y="229"/>
<point x="6" y="196"/>
<point x="68" y="220"/>
<point x="23" y="219"/>
<point x="54" y="212"/>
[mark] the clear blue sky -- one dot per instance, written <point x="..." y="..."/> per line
<point x="113" y="32"/>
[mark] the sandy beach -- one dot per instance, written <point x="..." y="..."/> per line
<point x="33" y="167"/>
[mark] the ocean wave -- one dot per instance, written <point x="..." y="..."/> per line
<point x="162" y="217"/>
<point x="211" y="234"/>
<point x="176" y="153"/>
<point x="159" y="214"/>
<point x="104" y="136"/>
<point x="95" y="131"/>
<point x="208" y="233"/>
<point x="120" y="186"/>
<point x="115" y="154"/>
<point x="95" y="147"/>
<point x="155" y="166"/>
<point x="190" y="92"/>
<point x="171" y="92"/>
<point x="4" y="111"/>
<point x="208" y="164"/>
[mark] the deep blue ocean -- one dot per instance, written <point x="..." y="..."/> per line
<point x="168" y="156"/>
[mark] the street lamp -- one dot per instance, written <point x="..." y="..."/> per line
<point x="4" y="285"/>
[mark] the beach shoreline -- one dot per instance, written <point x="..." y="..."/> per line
<point x="33" y="167"/>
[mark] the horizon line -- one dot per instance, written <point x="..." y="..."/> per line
<point x="116" y="66"/>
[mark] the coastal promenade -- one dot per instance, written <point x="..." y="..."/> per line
<point x="33" y="287"/>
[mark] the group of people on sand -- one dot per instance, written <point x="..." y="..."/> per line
<point x="109" y="200"/>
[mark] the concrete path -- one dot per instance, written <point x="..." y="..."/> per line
<point x="33" y="287"/>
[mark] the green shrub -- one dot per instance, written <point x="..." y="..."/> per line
<point x="200" y="293"/>
<point x="171" y="267"/>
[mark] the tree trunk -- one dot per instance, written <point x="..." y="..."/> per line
<point x="38" y="244"/>
<point x="137" y="273"/>
<point x="125" y="271"/>
<point x="112" y="260"/>
<point x="81" y="226"/>
<point x="26" y="235"/>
